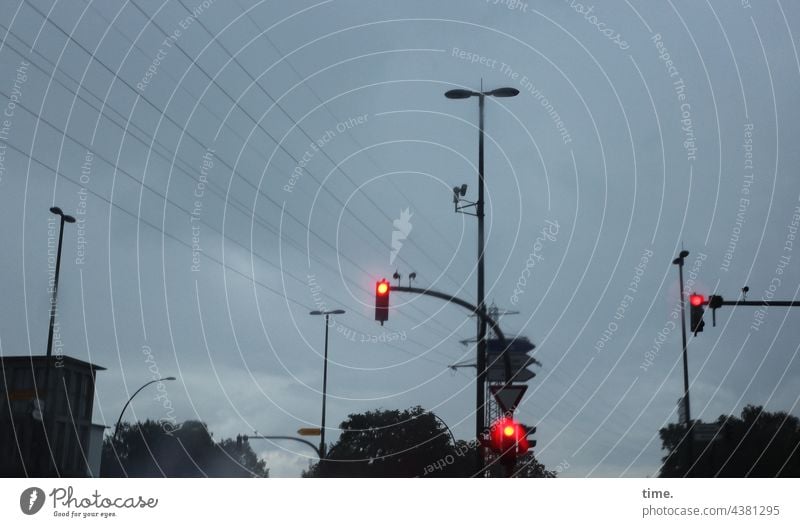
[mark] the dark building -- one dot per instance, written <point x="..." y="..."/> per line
<point x="46" y="426"/>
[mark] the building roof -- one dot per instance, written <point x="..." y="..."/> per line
<point x="43" y="358"/>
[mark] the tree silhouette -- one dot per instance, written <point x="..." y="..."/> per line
<point x="148" y="450"/>
<point x="407" y="443"/>
<point x="759" y="444"/>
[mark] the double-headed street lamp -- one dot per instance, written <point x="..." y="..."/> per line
<point x="481" y="348"/>
<point x="325" y="377"/>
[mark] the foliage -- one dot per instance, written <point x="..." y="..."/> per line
<point x="759" y="444"/>
<point x="149" y="450"/>
<point x="407" y="443"/>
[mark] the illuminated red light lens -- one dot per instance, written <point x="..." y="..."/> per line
<point x="696" y="300"/>
<point x="383" y="288"/>
<point x="508" y="430"/>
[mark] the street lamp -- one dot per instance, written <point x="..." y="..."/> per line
<point x="679" y="261"/>
<point x="65" y="218"/>
<point x="481" y="348"/>
<point x="49" y="404"/>
<point x="325" y="377"/>
<point x="145" y="385"/>
<point x="465" y="94"/>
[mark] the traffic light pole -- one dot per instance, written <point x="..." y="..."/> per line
<point x="487" y="320"/>
<point x="473" y="309"/>
<point x="686" y="408"/>
<point x="758" y="303"/>
<point x="484" y="319"/>
<point x="713" y="302"/>
<point x="716" y="301"/>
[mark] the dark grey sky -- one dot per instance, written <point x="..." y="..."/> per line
<point x="182" y="125"/>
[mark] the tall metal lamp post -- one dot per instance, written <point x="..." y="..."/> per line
<point x="679" y="261"/>
<point x="65" y="218"/>
<point x="45" y="408"/>
<point x="325" y="377"/>
<point x="481" y="348"/>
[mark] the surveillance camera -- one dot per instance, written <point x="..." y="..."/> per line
<point x="463" y="189"/>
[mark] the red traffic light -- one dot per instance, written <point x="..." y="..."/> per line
<point x="696" y="311"/>
<point x="382" y="290"/>
<point x="508" y="438"/>
<point x="383" y="287"/>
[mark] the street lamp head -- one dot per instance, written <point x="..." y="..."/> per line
<point x="679" y="260"/>
<point x="459" y="94"/>
<point x="315" y="312"/>
<point x="66" y="217"/>
<point x="170" y="378"/>
<point x="333" y="312"/>
<point x="503" y="92"/>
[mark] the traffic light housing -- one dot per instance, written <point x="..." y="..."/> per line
<point x="530" y="430"/>
<point x="509" y="438"/>
<point x="382" y="290"/>
<point x="696" y="311"/>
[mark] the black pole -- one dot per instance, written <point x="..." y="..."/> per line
<point x="47" y="412"/>
<point x="480" y="382"/>
<point x="501" y="336"/>
<point x="760" y="303"/>
<point x="480" y="388"/>
<point x="324" y="392"/>
<point x="686" y="408"/>
<point x="55" y="293"/>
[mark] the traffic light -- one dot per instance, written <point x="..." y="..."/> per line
<point x="530" y="430"/>
<point x="509" y="438"/>
<point x="382" y="290"/>
<point x="696" y="311"/>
